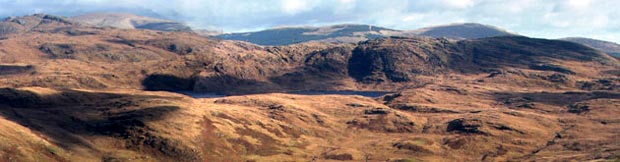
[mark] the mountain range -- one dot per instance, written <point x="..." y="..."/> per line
<point x="345" y="33"/>
<point x="355" y="33"/>
<point x="130" y="21"/>
<point x="71" y="91"/>
<point x="293" y="35"/>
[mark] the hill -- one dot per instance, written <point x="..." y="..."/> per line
<point x="605" y="46"/>
<point x="130" y="21"/>
<point x="462" y="31"/>
<point x="35" y="23"/>
<point x="73" y="92"/>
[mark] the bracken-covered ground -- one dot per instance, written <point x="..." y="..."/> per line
<point x="77" y="93"/>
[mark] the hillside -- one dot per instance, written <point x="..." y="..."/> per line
<point x="71" y="92"/>
<point x="605" y="46"/>
<point x="146" y="126"/>
<point x="130" y="21"/>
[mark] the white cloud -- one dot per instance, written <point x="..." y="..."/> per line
<point x="347" y="1"/>
<point x="413" y="17"/>
<point x="458" y="3"/>
<point x="579" y="4"/>
<point x="295" y="6"/>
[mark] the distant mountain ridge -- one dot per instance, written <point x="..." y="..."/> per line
<point x="357" y="32"/>
<point x="345" y="33"/>
<point x="130" y="21"/>
<point x="462" y="31"/>
<point x="605" y="46"/>
<point x="293" y="35"/>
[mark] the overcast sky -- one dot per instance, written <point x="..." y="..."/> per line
<point x="598" y="19"/>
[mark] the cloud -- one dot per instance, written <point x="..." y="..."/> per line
<point x="579" y="4"/>
<point x="538" y="18"/>
<point x="458" y="3"/>
<point x="295" y="6"/>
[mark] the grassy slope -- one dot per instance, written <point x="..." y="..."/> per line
<point x="155" y="125"/>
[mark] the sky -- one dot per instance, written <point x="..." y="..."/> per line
<point x="599" y="19"/>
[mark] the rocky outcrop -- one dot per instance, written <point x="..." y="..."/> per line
<point x="600" y="84"/>
<point x="423" y="109"/>
<point x="59" y="51"/>
<point x="382" y="120"/>
<point x="472" y="126"/>
<point x="8" y="28"/>
<point x="398" y="59"/>
<point x="36" y="22"/>
<point x="7" y="69"/>
<point x="578" y="108"/>
<point x="551" y="67"/>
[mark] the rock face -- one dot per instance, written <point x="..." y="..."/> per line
<point x="398" y="59"/>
